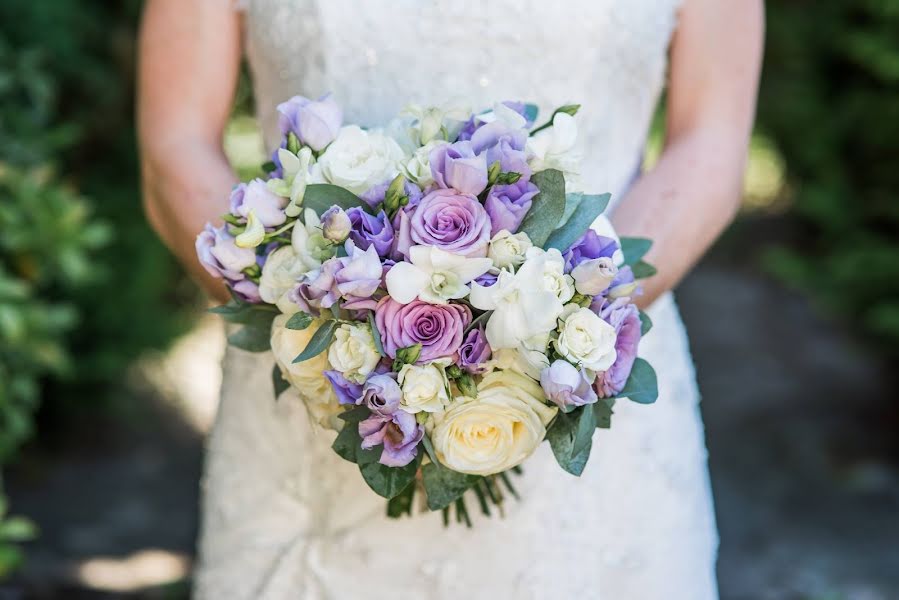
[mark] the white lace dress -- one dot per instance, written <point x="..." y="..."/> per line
<point x="285" y="517"/>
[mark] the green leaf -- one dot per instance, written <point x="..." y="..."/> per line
<point x="348" y="442"/>
<point x="642" y="386"/>
<point x="251" y="338"/>
<point x="376" y="334"/>
<point x="322" y="196"/>
<point x="634" y="249"/>
<point x="547" y="208"/>
<point x="386" y="481"/>
<point x="278" y="382"/>
<point x="602" y="412"/>
<point x="401" y="504"/>
<point x="299" y="321"/>
<point x="260" y="315"/>
<point x="645" y="323"/>
<point x="319" y="342"/>
<point x="579" y="461"/>
<point x="570" y="437"/>
<point x="584" y="432"/>
<point x="355" y="415"/>
<point x="443" y="485"/>
<point x="642" y="270"/>
<point x="429" y="447"/>
<point x="586" y="209"/>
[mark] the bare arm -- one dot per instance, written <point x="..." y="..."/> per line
<point x="189" y="60"/>
<point x="694" y="191"/>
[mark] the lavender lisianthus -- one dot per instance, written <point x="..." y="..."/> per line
<point x="400" y="434"/>
<point x="314" y="122"/>
<point x="487" y="279"/>
<point x="507" y="205"/>
<point x="347" y="392"/>
<point x="382" y="394"/>
<point x="474" y="352"/>
<point x="318" y="289"/>
<point x="458" y="167"/>
<point x="223" y="259"/>
<point x="255" y="196"/>
<point x="371" y="230"/>
<point x="438" y="328"/>
<point x="358" y="277"/>
<point x="566" y="386"/>
<point x="451" y="221"/>
<point x="624" y="316"/>
<point x="588" y="246"/>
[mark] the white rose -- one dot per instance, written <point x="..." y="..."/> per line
<point x="280" y="273"/>
<point x="585" y="339"/>
<point x="495" y="431"/>
<point x="507" y="250"/>
<point x="359" y="159"/>
<point x="551" y="272"/>
<point x="353" y="352"/>
<point x="418" y="168"/>
<point x="306" y="377"/>
<point x="424" y="388"/>
<point x="593" y="276"/>
<point x="308" y="242"/>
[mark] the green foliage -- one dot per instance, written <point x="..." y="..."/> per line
<point x="830" y="100"/>
<point x="580" y="212"/>
<point x="570" y="437"/>
<point x="547" y="208"/>
<point x="642" y="386"/>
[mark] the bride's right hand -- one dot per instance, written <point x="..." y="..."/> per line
<point x="189" y="59"/>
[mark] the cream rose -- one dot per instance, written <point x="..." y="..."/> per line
<point x="280" y="273"/>
<point x="495" y="431"/>
<point x="359" y="159"/>
<point x="507" y="250"/>
<point x="306" y="378"/>
<point x="585" y="339"/>
<point x="424" y="388"/>
<point x="353" y="352"/>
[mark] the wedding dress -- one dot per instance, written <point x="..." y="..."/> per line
<point x="285" y="517"/>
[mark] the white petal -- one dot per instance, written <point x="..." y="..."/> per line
<point x="481" y="297"/>
<point x="253" y="234"/>
<point x="405" y="282"/>
<point x="420" y="256"/>
<point x="472" y="268"/>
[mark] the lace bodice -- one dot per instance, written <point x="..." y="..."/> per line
<point x="377" y="56"/>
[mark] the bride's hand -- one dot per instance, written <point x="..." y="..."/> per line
<point x="189" y="57"/>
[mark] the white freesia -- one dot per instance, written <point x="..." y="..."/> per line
<point x="593" y="276"/>
<point x="359" y="159"/>
<point x="585" y="339"/>
<point x="553" y="276"/>
<point x="292" y="185"/>
<point x="433" y="121"/>
<point x="306" y="377"/>
<point x="507" y="250"/>
<point x="254" y="233"/>
<point x="280" y="273"/>
<point x="556" y="147"/>
<point x="308" y="242"/>
<point x="495" y="431"/>
<point x="424" y="388"/>
<point x="433" y="275"/>
<point x="353" y="352"/>
<point x="417" y="169"/>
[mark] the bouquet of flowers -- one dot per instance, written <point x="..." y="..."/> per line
<point x="438" y="292"/>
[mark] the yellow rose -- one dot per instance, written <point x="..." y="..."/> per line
<point x="495" y="431"/>
<point x="306" y="378"/>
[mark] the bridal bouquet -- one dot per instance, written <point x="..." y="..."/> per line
<point x="434" y="292"/>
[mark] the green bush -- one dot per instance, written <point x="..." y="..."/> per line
<point x="830" y="100"/>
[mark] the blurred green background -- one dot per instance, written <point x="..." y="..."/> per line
<point x="86" y="289"/>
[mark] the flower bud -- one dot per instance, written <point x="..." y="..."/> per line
<point x="253" y="235"/>
<point x="593" y="276"/>
<point x="336" y="225"/>
<point x="409" y="354"/>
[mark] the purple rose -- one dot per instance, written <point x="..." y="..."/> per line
<point x="255" y="196"/>
<point x="314" y="122"/>
<point x="625" y="318"/>
<point x="346" y="391"/>
<point x="437" y="327"/>
<point x="400" y="434"/>
<point x="456" y="166"/>
<point x="566" y="386"/>
<point x="382" y="395"/>
<point x="451" y="221"/>
<point x="508" y="204"/>
<point x="474" y="352"/>
<point x="371" y="230"/>
<point x="590" y="245"/>
<point x="223" y="259"/>
<point x="375" y="194"/>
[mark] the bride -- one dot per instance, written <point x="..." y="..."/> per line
<point x="285" y="517"/>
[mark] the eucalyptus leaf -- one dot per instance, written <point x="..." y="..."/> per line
<point x="642" y="386"/>
<point x="348" y="442"/>
<point x="530" y="112"/>
<point x="376" y="334"/>
<point x="319" y="342"/>
<point x="386" y="481"/>
<point x="401" y="504"/>
<point x="586" y="425"/>
<point x="547" y="208"/>
<point x="579" y="461"/>
<point x="602" y="412"/>
<point x="443" y="485"/>
<point x="570" y="437"/>
<point x="645" y="323"/>
<point x="251" y="338"/>
<point x="278" y="382"/>
<point x="642" y="270"/>
<point x="587" y="209"/>
<point x="235" y="311"/>
<point x="634" y="249"/>
<point x="322" y="196"/>
<point x="429" y="447"/>
<point x="299" y="321"/>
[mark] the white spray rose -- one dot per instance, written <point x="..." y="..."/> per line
<point x="418" y="168"/>
<point x="424" y="388"/>
<point x="353" y="352"/>
<point x="306" y="377"/>
<point x="359" y="159"/>
<point x="495" y="431"/>
<point x="507" y="250"/>
<point x="593" y="276"/>
<point x="280" y="273"/>
<point x="585" y="339"/>
<point x="552" y="271"/>
<point x="556" y="147"/>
